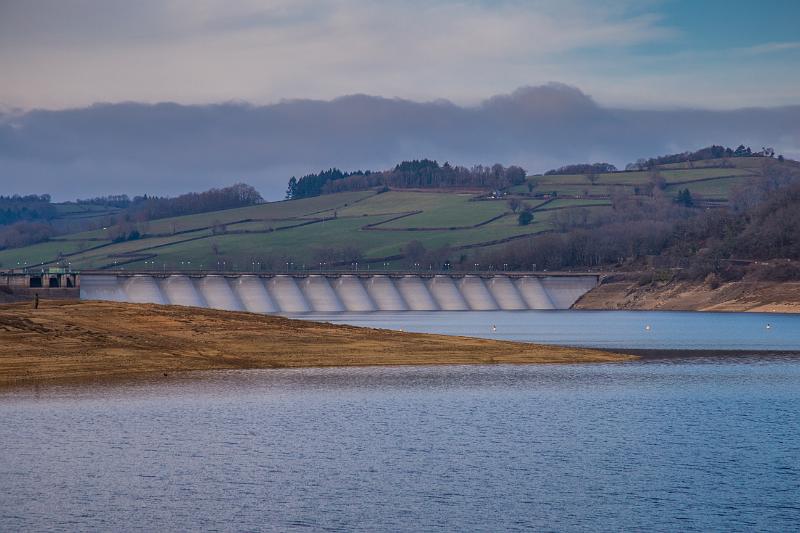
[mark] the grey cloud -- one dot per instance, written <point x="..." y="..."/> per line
<point x="170" y="148"/>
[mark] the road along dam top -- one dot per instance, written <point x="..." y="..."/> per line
<point x="351" y="292"/>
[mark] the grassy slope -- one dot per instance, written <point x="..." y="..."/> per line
<point x="249" y="233"/>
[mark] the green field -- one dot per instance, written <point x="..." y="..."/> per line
<point x="570" y="183"/>
<point x="273" y="232"/>
<point x="715" y="189"/>
<point x="377" y="225"/>
<point x="564" y="203"/>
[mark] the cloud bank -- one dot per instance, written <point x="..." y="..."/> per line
<point x="198" y="51"/>
<point x="170" y="148"/>
<point x="628" y="53"/>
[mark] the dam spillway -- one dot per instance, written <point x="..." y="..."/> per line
<point x="332" y="293"/>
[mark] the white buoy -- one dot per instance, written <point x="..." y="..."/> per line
<point x="648" y="327"/>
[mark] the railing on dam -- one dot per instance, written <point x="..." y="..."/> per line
<point x="344" y="291"/>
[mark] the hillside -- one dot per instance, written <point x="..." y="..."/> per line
<point x="402" y="228"/>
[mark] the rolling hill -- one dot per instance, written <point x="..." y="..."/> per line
<point x="398" y="228"/>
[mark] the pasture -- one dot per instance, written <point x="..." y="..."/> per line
<point x="374" y="226"/>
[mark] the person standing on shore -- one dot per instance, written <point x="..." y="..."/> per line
<point x="36" y="300"/>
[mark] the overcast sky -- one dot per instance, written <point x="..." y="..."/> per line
<point x="255" y="86"/>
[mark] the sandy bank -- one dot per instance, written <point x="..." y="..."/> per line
<point x="71" y="340"/>
<point x="764" y="297"/>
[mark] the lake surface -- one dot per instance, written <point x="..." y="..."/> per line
<point x="604" y="329"/>
<point x="695" y="444"/>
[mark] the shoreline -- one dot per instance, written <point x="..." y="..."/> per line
<point x="658" y="354"/>
<point x="66" y="340"/>
<point x="624" y="292"/>
<point x="110" y="380"/>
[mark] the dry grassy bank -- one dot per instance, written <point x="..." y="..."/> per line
<point x="72" y="340"/>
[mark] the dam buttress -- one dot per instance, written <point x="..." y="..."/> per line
<point x="352" y="292"/>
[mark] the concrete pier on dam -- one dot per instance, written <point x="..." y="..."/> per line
<point x="342" y="292"/>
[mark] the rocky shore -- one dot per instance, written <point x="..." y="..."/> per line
<point x="630" y="292"/>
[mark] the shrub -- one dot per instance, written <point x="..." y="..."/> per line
<point x="712" y="280"/>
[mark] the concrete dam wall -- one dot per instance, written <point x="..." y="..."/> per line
<point x="327" y="293"/>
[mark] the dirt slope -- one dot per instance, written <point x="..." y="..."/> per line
<point x="781" y="297"/>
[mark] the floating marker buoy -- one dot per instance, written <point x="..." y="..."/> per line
<point x="648" y="327"/>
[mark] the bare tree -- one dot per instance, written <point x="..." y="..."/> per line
<point x="414" y="251"/>
<point x="514" y="204"/>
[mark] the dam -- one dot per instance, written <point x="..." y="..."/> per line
<point x="292" y="293"/>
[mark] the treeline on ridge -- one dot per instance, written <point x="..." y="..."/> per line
<point x="25" y="219"/>
<point x="709" y="152"/>
<point x="154" y="207"/>
<point x="583" y="168"/>
<point x="31" y="219"/>
<point x="422" y="174"/>
<point x="29" y="207"/>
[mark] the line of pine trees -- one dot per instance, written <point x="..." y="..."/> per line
<point x="418" y="173"/>
<point x="709" y="152"/>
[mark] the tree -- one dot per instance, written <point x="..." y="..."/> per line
<point x="414" y="251"/>
<point x="515" y="175"/>
<point x="525" y="217"/>
<point x="685" y="198"/>
<point x="514" y="204"/>
<point x="291" y="190"/>
<point x="217" y="227"/>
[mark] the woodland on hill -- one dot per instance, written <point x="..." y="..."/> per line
<point x="424" y="173"/>
<point x="34" y="218"/>
<point x="759" y="230"/>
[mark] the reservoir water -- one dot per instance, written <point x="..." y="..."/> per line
<point x="694" y="444"/>
<point x="602" y="329"/>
